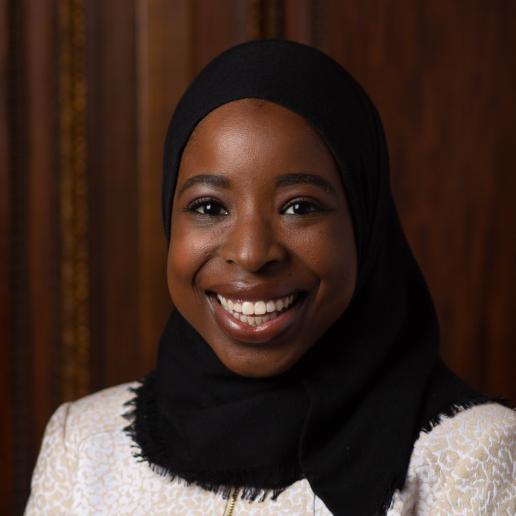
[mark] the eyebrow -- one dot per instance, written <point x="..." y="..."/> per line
<point x="215" y="180"/>
<point x="285" y="180"/>
<point x="296" y="178"/>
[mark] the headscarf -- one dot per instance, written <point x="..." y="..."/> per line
<point x="346" y="416"/>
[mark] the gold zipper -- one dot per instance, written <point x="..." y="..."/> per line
<point x="230" y="506"/>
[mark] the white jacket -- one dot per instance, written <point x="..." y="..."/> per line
<point x="464" y="466"/>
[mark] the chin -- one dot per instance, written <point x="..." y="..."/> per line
<point x="253" y="363"/>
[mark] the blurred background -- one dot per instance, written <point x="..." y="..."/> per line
<point x="86" y="91"/>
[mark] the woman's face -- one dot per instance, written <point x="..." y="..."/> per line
<point x="262" y="257"/>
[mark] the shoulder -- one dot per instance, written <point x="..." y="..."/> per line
<point x="87" y="432"/>
<point x="99" y="413"/>
<point x="471" y="432"/>
<point x="465" y="462"/>
<point x="102" y="411"/>
<point x="480" y="418"/>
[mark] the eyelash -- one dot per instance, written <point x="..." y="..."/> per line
<point x="193" y="206"/>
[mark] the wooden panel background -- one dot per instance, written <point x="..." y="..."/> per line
<point x="86" y="90"/>
<point x="6" y="308"/>
<point x="443" y="75"/>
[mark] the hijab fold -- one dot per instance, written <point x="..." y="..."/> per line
<point x="346" y="416"/>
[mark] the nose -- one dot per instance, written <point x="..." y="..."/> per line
<point x="252" y="243"/>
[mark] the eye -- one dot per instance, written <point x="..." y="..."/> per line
<point x="208" y="207"/>
<point x="302" y="207"/>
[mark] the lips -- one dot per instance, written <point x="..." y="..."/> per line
<point x="257" y="321"/>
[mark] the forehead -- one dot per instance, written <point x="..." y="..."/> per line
<point x="256" y="116"/>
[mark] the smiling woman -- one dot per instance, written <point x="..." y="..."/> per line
<point x="299" y="372"/>
<point x="262" y="257"/>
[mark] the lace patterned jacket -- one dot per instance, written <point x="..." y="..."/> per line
<point x="463" y="466"/>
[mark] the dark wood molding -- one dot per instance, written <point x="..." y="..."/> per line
<point x="7" y="435"/>
<point x="74" y="352"/>
<point x="113" y="190"/>
<point x="164" y="33"/>
<point x="42" y="208"/>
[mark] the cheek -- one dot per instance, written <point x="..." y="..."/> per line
<point x="330" y="254"/>
<point x="328" y="250"/>
<point x="189" y="250"/>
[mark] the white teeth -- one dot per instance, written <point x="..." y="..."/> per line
<point x="260" y="308"/>
<point x="247" y="308"/>
<point x="255" y="313"/>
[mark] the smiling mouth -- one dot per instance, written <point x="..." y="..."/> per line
<point x="258" y="321"/>
<point x="256" y="313"/>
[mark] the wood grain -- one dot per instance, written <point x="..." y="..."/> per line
<point x="42" y="209"/>
<point x="33" y="285"/>
<point x="163" y="54"/>
<point x="215" y="27"/>
<point x="6" y="381"/>
<point x="443" y="77"/>
<point x="113" y="183"/>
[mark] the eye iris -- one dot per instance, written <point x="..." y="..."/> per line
<point x="301" y="207"/>
<point x="211" y="208"/>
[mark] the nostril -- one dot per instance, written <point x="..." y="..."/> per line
<point x="252" y="244"/>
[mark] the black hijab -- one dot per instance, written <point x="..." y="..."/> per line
<point x="346" y="416"/>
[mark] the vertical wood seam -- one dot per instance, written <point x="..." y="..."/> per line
<point x="75" y="318"/>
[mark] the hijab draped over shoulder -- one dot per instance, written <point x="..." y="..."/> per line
<point x="346" y="416"/>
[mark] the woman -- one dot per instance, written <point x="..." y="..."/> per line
<point x="299" y="372"/>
